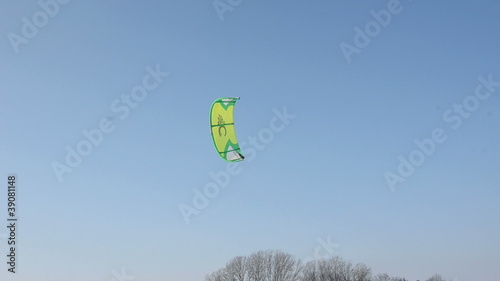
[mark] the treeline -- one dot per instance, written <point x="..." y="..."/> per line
<point x="281" y="266"/>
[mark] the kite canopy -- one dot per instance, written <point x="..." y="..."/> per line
<point x="222" y="129"/>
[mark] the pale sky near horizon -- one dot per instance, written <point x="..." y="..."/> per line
<point x="377" y="133"/>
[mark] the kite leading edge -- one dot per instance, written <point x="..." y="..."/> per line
<point x="222" y="129"/>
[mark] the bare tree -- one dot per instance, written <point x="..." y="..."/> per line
<point x="398" y="279"/>
<point x="342" y="270"/>
<point x="333" y="269"/>
<point x="383" y="277"/>
<point x="386" y="277"/>
<point x="236" y="269"/>
<point x="361" y="272"/>
<point x="436" y="277"/>
<point x="281" y="266"/>
<point x="219" y="275"/>
<point x="325" y="270"/>
<point x="256" y="266"/>
<point x="311" y="272"/>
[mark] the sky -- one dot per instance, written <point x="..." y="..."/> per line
<point x="370" y="130"/>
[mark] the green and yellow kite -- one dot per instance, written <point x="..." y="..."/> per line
<point x="222" y="129"/>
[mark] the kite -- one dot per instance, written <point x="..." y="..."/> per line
<point x="222" y="129"/>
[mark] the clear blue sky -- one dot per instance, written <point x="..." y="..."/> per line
<point x="323" y="175"/>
